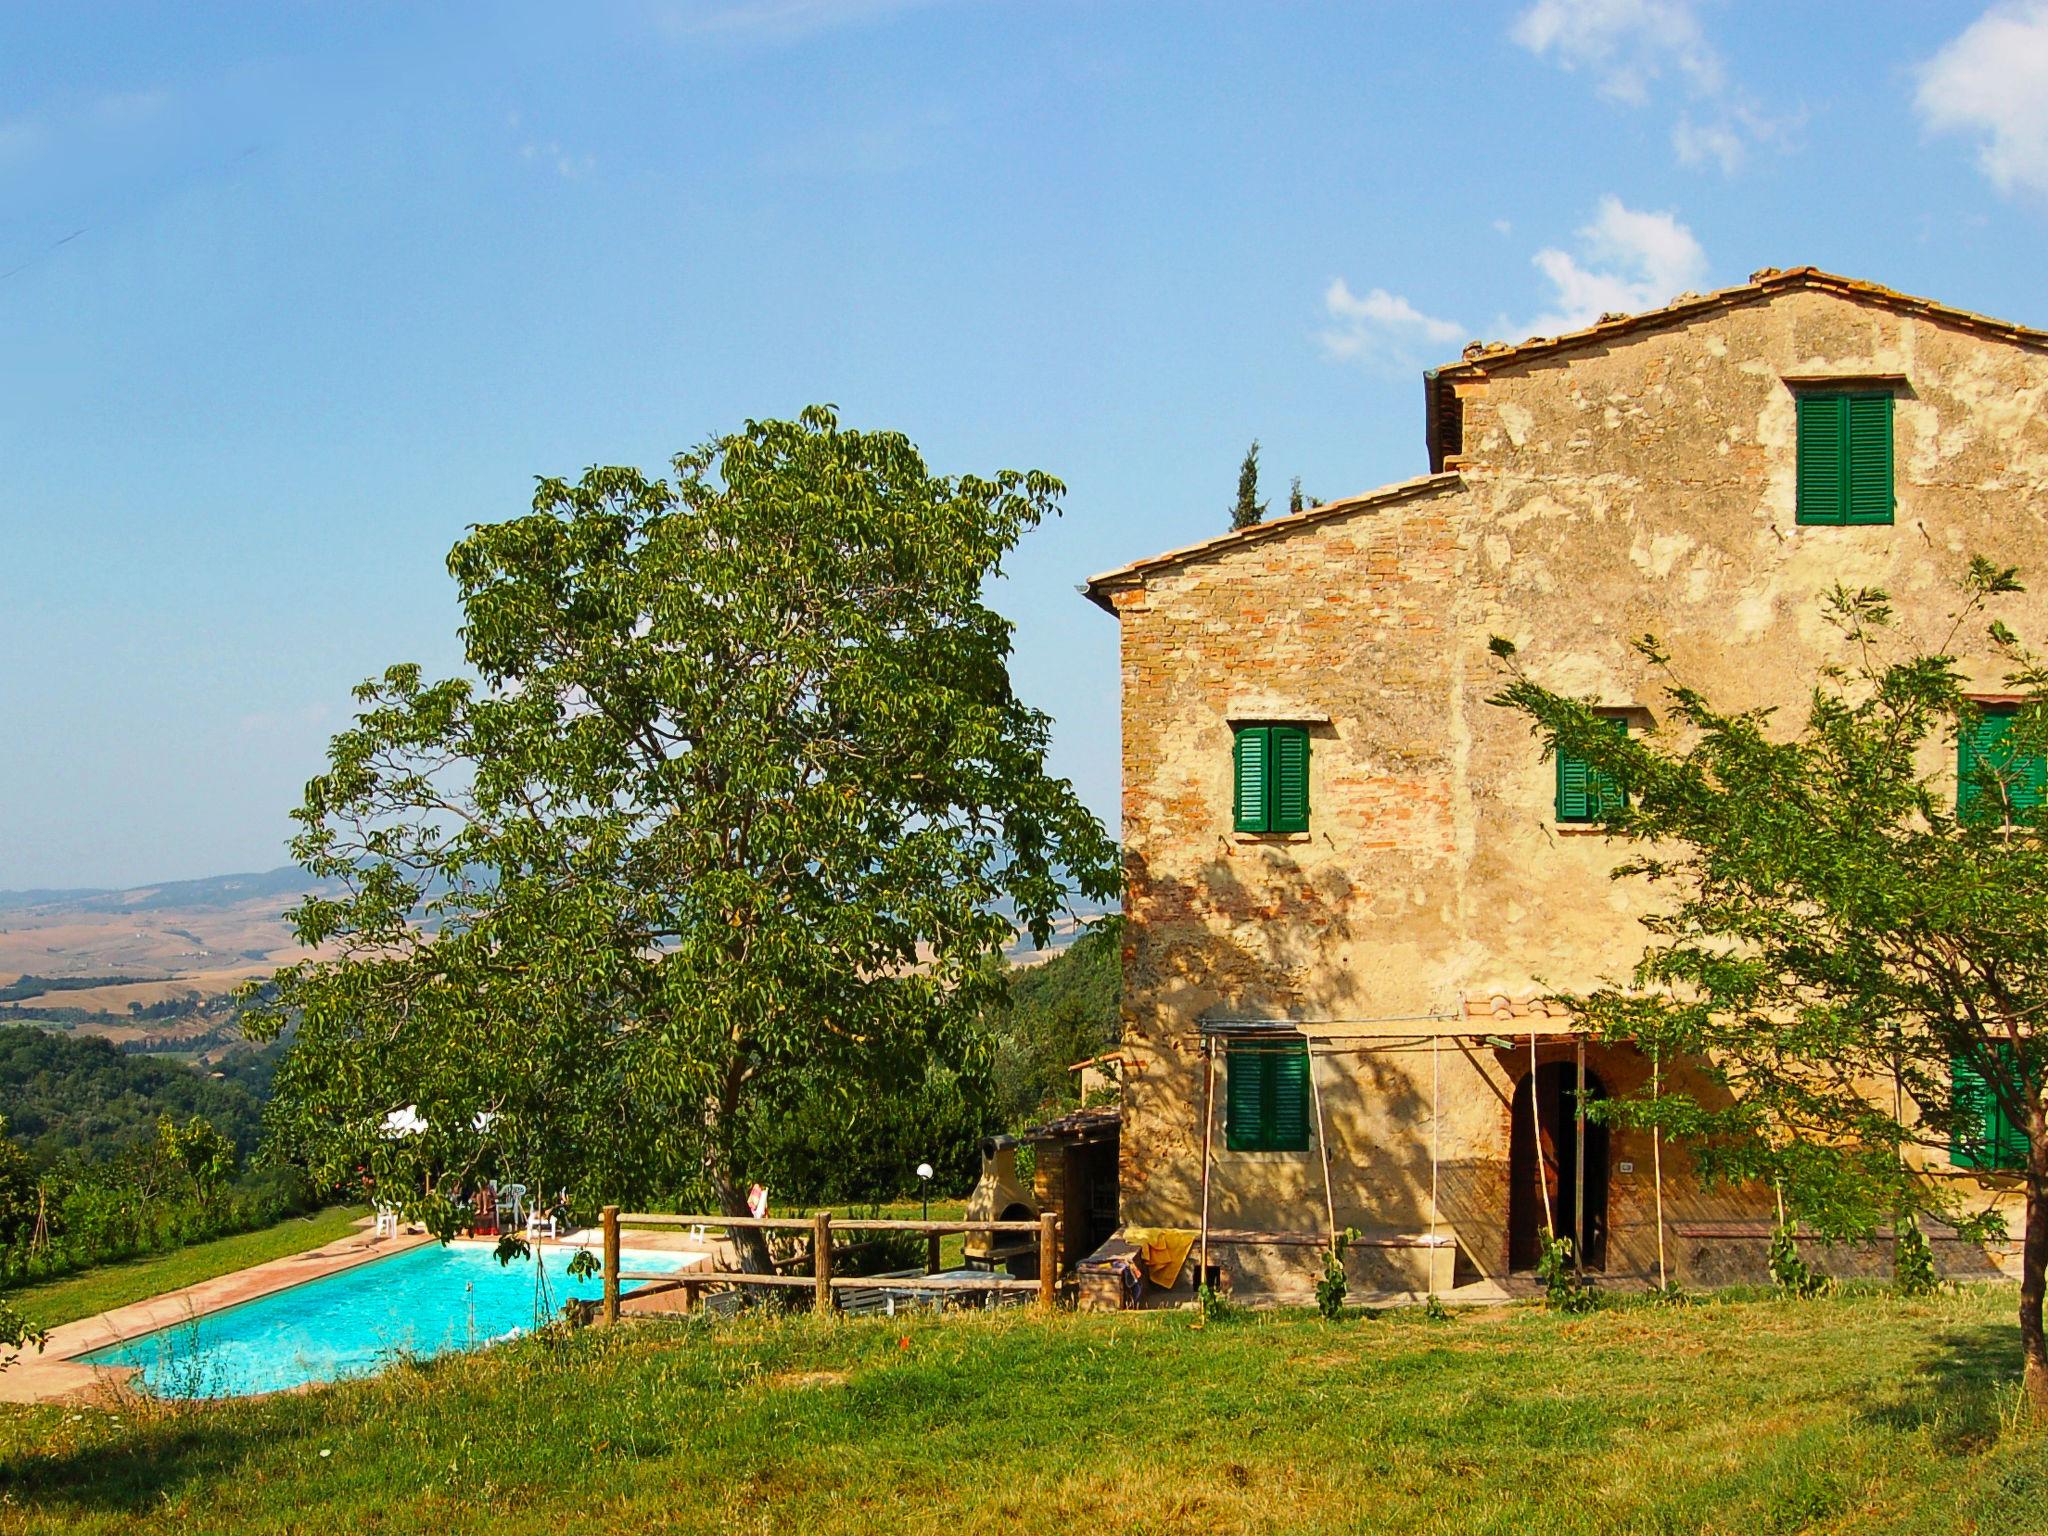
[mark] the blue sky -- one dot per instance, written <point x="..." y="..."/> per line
<point x="293" y="294"/>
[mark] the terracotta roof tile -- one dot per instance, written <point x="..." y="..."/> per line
<point x="1499" y="1008"/>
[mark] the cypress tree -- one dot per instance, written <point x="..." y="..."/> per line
<point x="1249" y="510"/>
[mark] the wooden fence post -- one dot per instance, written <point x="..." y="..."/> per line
<point x="611" y="1264"/>
<point x="1048" y="1260"/>
<point x="932" y="1260"/>
<point x="821" y="1260"/>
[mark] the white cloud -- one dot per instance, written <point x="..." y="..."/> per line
<point x="568" y="166"/>
<point x="776" y="21"/>
<point x="1381" y="327"/>
<point x="1627" y="260"/>
<point x="1626" y="45"/>
<point x="1992" y="81"/>
<point x="1631" y="46"/>
<point x="1702" y="143"/>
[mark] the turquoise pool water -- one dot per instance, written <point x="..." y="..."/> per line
<point x="422" y="1302"/>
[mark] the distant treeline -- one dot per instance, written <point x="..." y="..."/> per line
<point x="71" y="1018"/>
<point x="69" y="1097"/>
<point x="35" y="986"/>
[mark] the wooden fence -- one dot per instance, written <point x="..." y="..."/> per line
<point x="821" y="1281"/>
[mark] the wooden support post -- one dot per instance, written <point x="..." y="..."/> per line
<point x="1208" y="1132"/>
<point x="821" y="1261"/>
<point x="1657" y="1166"/>
<point x="1536" y="1129"/>
<point x="1579" y="1168"/>
<point x="1048" y="1260"/>
<point x="933" y="1262"/>
<point x="1322" y="1140"/>
<point x="611" y="1264"/>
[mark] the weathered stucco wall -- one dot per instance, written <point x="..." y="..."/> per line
<point x="1646" y="485"/>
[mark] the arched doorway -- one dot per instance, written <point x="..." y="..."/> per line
<point x="1555" y="1085"/>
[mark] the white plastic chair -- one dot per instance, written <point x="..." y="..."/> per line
<point x="511" y="1206"/>
<point x="537" y="1220"/>
<point x="387" y="1223"/>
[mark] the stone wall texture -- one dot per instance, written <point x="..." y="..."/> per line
<point x="1606" y="490"/>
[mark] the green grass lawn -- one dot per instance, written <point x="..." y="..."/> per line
<point x="1863" y="1413"/>
<point x="115" y="1285"/>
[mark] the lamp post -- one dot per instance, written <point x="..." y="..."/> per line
<point x="924" y="1179"/>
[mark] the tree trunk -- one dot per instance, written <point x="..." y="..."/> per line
<point x="750" y="1245"/>
<point x="2034" y="1278"/>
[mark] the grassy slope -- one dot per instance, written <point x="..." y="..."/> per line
<point x="115" y="1285"/>
<point x="1866" y="1414"/>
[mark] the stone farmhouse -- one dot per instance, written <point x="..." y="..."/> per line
<point x="1352" y="879"/>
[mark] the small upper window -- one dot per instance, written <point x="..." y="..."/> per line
<point x="1998" y="779"/>
<point x="1584" y="793"/>
<point x="1270" y="788"/>
<point x="1845" y="458"/>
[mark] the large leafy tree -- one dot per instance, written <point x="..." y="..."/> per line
<point x="733" y="802"/>
<point x="1856" y="969"/>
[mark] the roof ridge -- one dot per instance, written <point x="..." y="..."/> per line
<point x="1479" y="356"/>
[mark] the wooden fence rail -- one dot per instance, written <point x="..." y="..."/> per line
<point x="821" y="1280"/>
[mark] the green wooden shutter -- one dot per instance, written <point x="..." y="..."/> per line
<point x="1266" y="1096"/>
<point x="1976" y="799"/>
<point x="1574" y="797"/>
<point x="1984" y="1136"/>
<point x="1287" y="1078"/>
<point x="1994" y="777"/>
<point x="1868" y="439"/>
<point x="2011" y="1142"/>
<point x="1584" y="793"/>
<point x="1823" y="491"/>
<point x="1288" y="803"/>
<point x="1244" y="1098"/>
<point x="1973" y="1139"/>
<point x="1252" y="757"/>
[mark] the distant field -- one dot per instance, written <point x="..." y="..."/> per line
<point x="209" y="943"/>
<point x="1866" y="1414"/>
<point x="216" y="982"/>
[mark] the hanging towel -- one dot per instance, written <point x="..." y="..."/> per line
<point x="1162" y="1250"/>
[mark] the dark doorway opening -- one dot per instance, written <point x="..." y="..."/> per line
<point x="1555" y="1085"/>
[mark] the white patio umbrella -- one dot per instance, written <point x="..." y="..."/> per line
<point x="404" y="1122"/>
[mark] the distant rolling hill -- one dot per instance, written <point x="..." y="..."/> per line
<point x="151" y="967"/>
<point x="211" y="894"/>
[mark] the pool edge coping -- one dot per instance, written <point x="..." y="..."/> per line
<point x="56" y="1374"/>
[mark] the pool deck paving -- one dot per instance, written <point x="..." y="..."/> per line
<point x="55" y="1374"/>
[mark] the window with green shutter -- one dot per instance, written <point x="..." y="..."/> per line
<point x="1845" y="458"/>
<point x="1997" y="779"/>
<point x="1983" y="1136"/>
<point x="1266" y="1097"/>
<point x="1270" y="783"/>
<point x="1584" y="793"/>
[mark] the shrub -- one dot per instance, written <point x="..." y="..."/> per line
<point x="1564" y="1288"/>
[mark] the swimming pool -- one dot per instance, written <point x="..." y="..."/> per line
<point x="425" y="1301"/>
